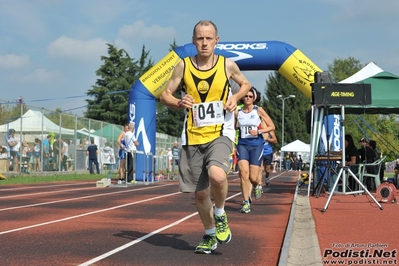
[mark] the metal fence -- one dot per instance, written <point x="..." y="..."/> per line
<point x="32" y="125"/>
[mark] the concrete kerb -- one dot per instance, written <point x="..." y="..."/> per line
<point x="300" y="246"/>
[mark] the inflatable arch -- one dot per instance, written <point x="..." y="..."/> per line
<point x="262" y="55"/>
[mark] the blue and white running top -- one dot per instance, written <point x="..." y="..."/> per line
<point x="246" y="122"/>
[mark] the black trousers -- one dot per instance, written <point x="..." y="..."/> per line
<point x="130" y="169"/>
<point x="63" y="163"/>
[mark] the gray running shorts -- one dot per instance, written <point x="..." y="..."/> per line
<point x="195" y="161"/>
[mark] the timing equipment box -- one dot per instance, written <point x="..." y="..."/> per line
<point x="341" y="94"/>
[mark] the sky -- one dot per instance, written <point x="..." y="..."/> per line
<point x="51" y="49"/>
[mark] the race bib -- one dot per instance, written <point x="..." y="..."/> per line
<point x="207" y="114"/>
<point x="245" y="134"/>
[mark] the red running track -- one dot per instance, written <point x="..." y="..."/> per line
<point x="77" y="223"/>
<point x="355" y="231"/>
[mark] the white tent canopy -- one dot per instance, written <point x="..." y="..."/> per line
<point x="35" y="122"/>
<point x="296" y="146"/>
<point x="369" y="70"/>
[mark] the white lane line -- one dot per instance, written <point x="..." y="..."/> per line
<point x="138" y="240"/>
<point x="47" y="192"/>
<point x="78" y="198"/>
<point x="85" y="214"/>
<point x="47" y="186"/>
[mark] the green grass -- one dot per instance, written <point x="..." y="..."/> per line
<point x="388" y="174"/>
<point x="30" y="179"/>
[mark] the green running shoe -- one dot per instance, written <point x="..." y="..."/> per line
<point x="258" y="192"/>
<point x="246" y="208"/>
<point x="207" y="245"/>
<point x="223" y="233"/>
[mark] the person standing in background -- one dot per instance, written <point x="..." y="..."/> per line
<point x="294" y="160"/>
<point x="25" y="149"/>
<point x="368" y="155"/>
<point x="300" y="162"/>
<point x="36" y="155"/>
<point x="373" y="145"/>
<point x="64" y="155"/>
<point x="169" y="154"/>
<point x="287" y="161"/>
<point x="131" y="147"/>
<point x="13" y="147"/>
<point x="25" y="152"/>
<point x="176" y="155"/>
<point x="235" y="160"/>
<point x="122" y="154"/>
<point x="46" y="153"/>
<point x="57" y="153"/>
<point x="92" y="152"/>
<point x="276" y="160"/>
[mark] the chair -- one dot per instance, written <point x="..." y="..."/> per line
<point x="377" y="164"/>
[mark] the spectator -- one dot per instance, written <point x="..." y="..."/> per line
<point x="64" y="155"/>
<point x="25" y="149"/>
<point x="352" y="159"/>
<point x="368" y="155"/>
<point x="169" y="154"/>
<point x="176" y="155"/>
<point x="13" y="147"/>
<point x="122" y="154"/>
<point x="276" y="160"/>
<point x="131" y="147"/>
<point x="373" y="145"/>
<point x="3" y="152"/>
<point x="46" y="153"/>
<point x="287" y="162"/>
<point x="36" y="155"/>
<point x="294" y="162"/>
<point x="235" y="160"/>
<point x="300" y="163"/>
<point x="57" y="154"/>
<point x="92" y="152"/>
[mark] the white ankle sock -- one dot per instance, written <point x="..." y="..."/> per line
<point x="211" y="231"/>
<point x="218" y="211"/>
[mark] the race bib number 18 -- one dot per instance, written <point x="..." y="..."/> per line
<point x="207" y="114"/>
<point x="245" y="134"/>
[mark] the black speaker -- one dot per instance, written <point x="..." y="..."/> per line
<point x="323" y="77"/>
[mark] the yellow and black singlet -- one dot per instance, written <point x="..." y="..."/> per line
<point x="210" y="89"/>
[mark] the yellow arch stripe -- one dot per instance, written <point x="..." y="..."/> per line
<point x="299" y="70"/>
<point x="155" y="79"/>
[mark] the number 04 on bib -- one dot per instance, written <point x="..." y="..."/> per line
<point x="208" y="113"/>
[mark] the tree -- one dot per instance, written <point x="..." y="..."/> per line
<point x="294" y="109"/>
<point x="342" y="68"/>
<point x="10" y="111"/>
<point x="67" y="119"/>
<point x="116" y="77"/>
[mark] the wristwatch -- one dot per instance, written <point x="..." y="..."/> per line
<point x="260" y="131"/>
